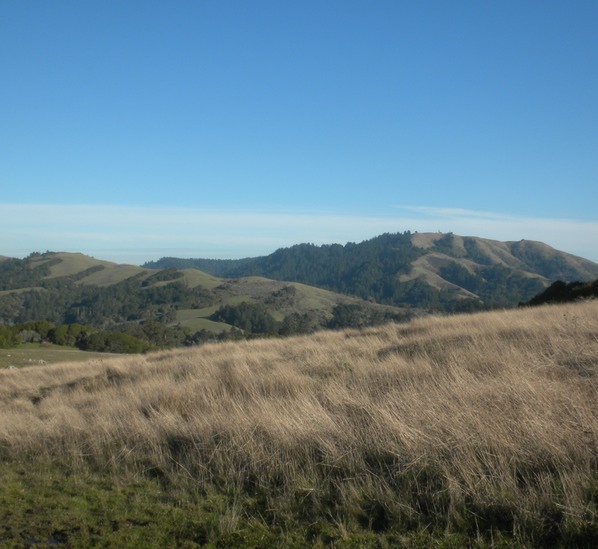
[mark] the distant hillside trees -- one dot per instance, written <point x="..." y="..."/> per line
<point x="369" y="269"/>
<point x="354" y="315"/>
<point x="126" y="338"/>
<point x="18" y="273"/>
<point x="72" y="335"/>
<point x="251" y="317"/>
<point x="552" y="266"/>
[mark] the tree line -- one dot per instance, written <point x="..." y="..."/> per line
<point x="563" y="292"/>
<point x="85" y="338"/>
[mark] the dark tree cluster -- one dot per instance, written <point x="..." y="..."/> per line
<point x="125" y="338"/>
<point x="86" y="338"/>
<point x="563" y="292"/>
<point x="354" y="315"/>
<point x="252" y="318"/>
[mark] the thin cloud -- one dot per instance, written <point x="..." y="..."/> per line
<point x="137" y="234"/>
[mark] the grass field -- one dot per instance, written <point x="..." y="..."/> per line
<point x="35" y="354"/>
<point x="195" y="321"/>
<point x="465" y="431"/>
<point x="198" y="319"/>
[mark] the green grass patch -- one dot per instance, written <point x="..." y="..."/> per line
<point x="42" y="504"/>
<point x="23" y="290"/>
<point x="113" y="274"/>
<point x="197" y="324"/>
<point x="316" y="298"/>
<point x="198" y="319"/>
<point x="234" y="300"/>
<point x="47" y="507"/>
<point x="36" y="354"/>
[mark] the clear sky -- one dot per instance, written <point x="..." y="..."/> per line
<point x="134" y="129"/>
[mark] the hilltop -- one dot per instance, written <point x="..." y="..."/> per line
<point x="433" y="271"/>
<point x="453" y="431"/>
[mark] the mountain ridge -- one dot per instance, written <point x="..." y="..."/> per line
<point x="443" y="271"/>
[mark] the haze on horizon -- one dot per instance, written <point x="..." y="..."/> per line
<point x="133" y="130"/>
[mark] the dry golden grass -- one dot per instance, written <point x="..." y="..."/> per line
<point x="491" y="418"/>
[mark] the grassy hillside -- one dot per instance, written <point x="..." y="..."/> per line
<point x="477" y="430"/>
<point x="528" y="259"/>
<point x="86" y="269"/>
<point x="65" y="264"/>
<point x="280" y="299"/>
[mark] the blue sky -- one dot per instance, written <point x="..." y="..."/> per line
<point x="130" y="130"/>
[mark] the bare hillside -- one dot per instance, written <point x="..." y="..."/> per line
<point x="526" y="258"/>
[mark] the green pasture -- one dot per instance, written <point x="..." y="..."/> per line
<point x="198" y="319"/>
<point x="36" y="354"/>
<point x="44" y="505"/>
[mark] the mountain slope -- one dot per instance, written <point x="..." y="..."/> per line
<point x="431" y="270"/>
<point x="535" y="258"/>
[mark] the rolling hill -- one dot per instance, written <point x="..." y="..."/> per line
<point x="74" y="288"/>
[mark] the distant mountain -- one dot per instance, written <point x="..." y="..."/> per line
<point x="433" y="271"/>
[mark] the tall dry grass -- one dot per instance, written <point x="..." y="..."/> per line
<point x="485" y="419"/>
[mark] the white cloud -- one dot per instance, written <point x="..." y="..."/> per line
<point x="136" y="234"/>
